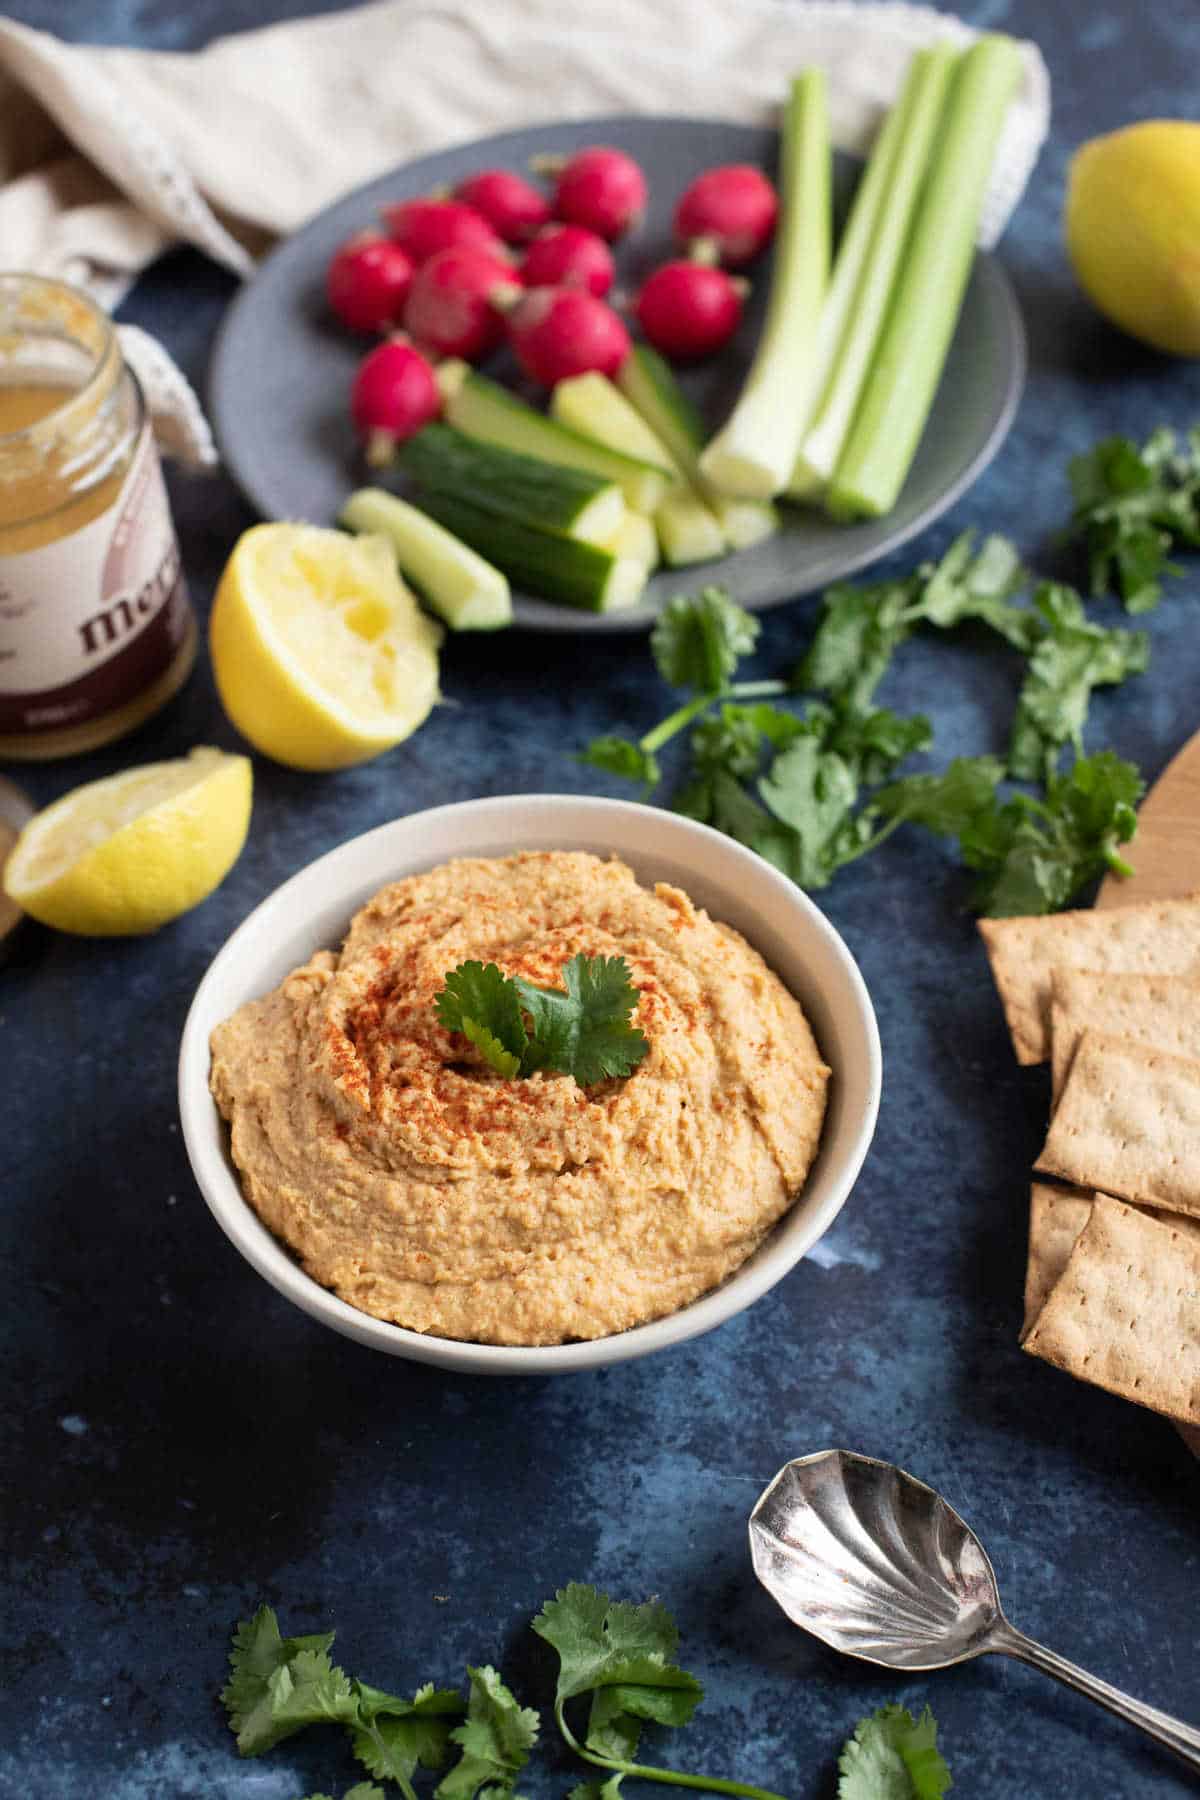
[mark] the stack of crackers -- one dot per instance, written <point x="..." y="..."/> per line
<point x="1111" y="1000"/>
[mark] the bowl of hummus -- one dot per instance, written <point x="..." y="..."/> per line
<point x="627" y="1173"/>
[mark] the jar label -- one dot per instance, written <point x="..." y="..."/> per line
<point x="91" y="620"/>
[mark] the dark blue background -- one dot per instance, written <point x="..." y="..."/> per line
<point x="181" y="1444"/>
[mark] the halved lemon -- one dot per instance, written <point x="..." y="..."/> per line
<point x="321" y="654"/>
<point x="126" y="854"/>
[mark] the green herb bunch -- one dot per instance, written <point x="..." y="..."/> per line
<point x="616" y="1660"/>
<point x="815" y="787"/>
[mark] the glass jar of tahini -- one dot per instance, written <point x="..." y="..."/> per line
<point x="96" y="628"/>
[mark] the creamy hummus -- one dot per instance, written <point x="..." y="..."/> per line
<point x="426" y="1189"/>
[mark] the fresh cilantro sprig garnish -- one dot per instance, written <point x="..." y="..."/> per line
<point x="362" y="1790"/>
<point x="1132" y="508"/>
<point x="617" y="1657"/>
<point x="278" y="1686"/>
<point x="697" y="644"/>
<point x="1030" y="854"/>
<point x="891" y="1756"/>
<point x="495" y="1741"/>
<point x="621" y="1655"/>
<point x="583" y="1029"/>
<point x="812" y="789"/>
<point x="1067" y="654"/>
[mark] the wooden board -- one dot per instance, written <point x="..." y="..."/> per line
<point x="1166" y="857"/>
<point x="1166" y="851"/>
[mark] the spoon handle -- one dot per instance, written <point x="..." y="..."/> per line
<point x="1183" y="1739"/>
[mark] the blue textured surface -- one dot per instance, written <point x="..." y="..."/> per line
<point x="180" y="1444"/>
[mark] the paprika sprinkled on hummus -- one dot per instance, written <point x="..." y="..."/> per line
<point x="426" y="1189"/>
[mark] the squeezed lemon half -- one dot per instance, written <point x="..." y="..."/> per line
<point x="125" y="855"/>
<point x="321" y="654"/>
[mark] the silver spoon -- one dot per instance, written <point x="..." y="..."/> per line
<point x="875" y="1563"/>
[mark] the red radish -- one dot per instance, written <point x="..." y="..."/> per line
<point x="395" y="393"/>
<point x="600" y="188"/>
<point x="688" y="310"/>
<point x="455" y="303"/>
<point x="557" y="332"/>
<point x="423" y="227"/>
<point x="568" y="256"/>
<point x="731" y="211"/>
<point x="512" y="206"/>
<point x="367" y="282"/>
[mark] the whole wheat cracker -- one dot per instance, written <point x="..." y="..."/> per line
<point x="1057" y="1215"/>
<point x="1128" y="1123"/>
<point x="1162" y="1010"/>
<point x="1160" y="937"/>
<point x="1125" y="1314"/>
<point x="1056" y="1218"/>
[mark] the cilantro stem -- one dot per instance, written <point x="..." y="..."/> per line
<point x="385" y="1765"/>
<point x="1115" y="860"/>
<point x="683" y="715"/>
<point x="647" y="1772"/>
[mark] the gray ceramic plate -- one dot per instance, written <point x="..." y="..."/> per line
<point x="282" y="369"/>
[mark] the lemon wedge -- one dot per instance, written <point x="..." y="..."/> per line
<point x="321" y="654"/>
<point x="126" y="854"/>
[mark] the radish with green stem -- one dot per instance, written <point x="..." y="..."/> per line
<point x="426" y="226"/>
<point x="367" y="282"/>
<point x="457" y="302"/>
<point x="728" y="213"/>
<point x="512" y="206"/>
<point x="689" y="310"/>
<point x="395" y="394"/>
<point x="600" y="188"/>
<point x="568" y="256"/>
<point x="560" y="332"/>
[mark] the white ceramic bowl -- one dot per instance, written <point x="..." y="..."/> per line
<point x="313" y="910"/>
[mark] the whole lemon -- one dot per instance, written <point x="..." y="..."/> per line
<point x="1133" y="230"/>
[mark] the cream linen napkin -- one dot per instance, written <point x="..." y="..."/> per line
<point x="107" y="156"/>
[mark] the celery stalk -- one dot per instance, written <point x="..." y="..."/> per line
<point x="753" y="454"/>
<point x="924" y="306"/>
<point x="868" y="256"/>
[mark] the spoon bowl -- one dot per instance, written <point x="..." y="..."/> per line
<point x="873" y="1562"/>
<point x="876" y="1564"/>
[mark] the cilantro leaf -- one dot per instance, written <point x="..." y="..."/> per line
<point x="623" y="757"/>
<point x="1035" y="855"/>
<point x="1031" y="855"/>
<point x="947" y="803"/>
<point x="966" y="585"/>
<point x="873" y="743"/>
<point x="893" y="1757"/>
<point x="482" y="1003"/>
<point x="861" y="629"/>
<point x="362" y="1790"/>
<point x="1073" y="657"/>
<point x="1131" y="507"/>
<point x="586" y="1031"/>
<point x="582" y="1030"/>
<point x="812" y="791"/>
<point x="495" y="1740"/>
<point x="698" y="640"/>
<point x="597" y="1790"/>
<point x="621" y="1655"/>
<point x="392" y="1736"/>
<point x="279" y="1685"/>
<point x="602" y="1643"/>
